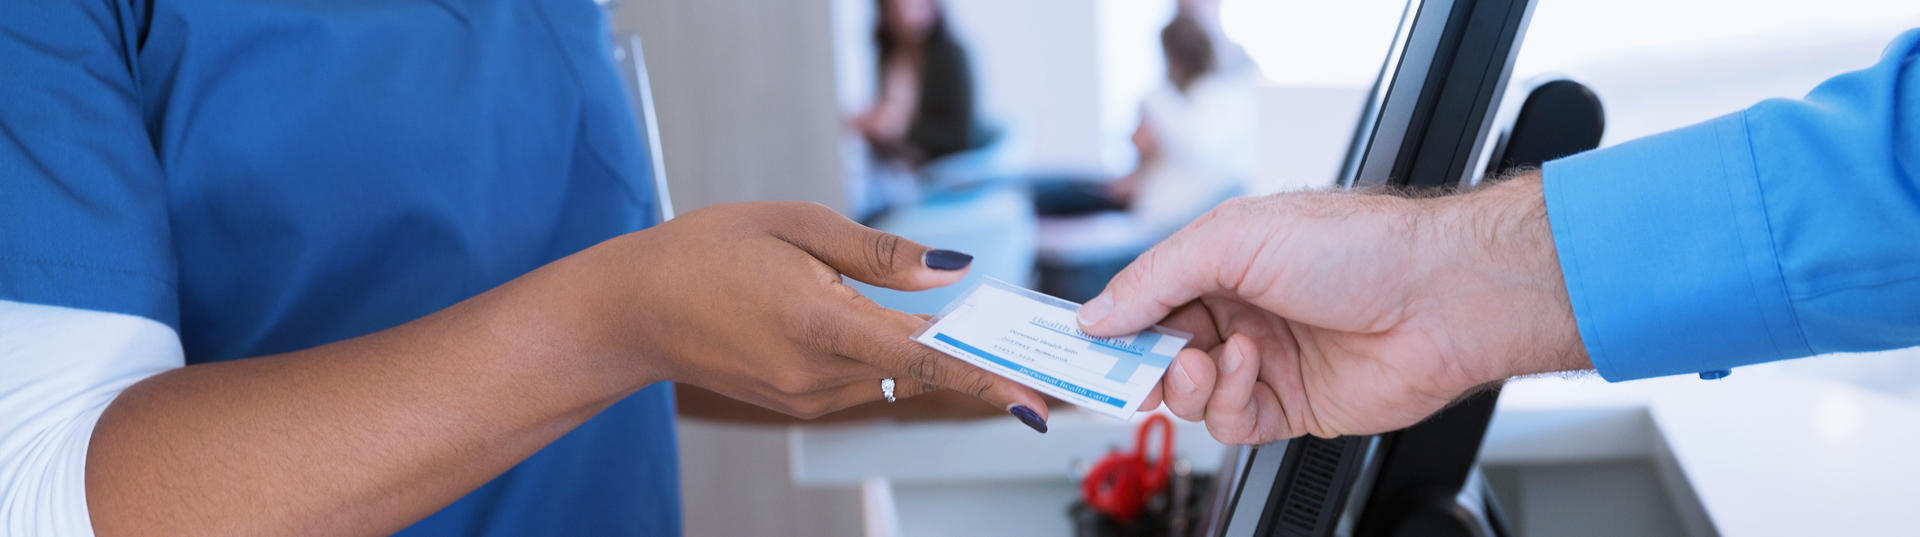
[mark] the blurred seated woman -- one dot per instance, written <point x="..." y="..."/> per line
<point x="1194" y="142"/>
<point x="926" y="107"/>
<point x="933" y="155"/>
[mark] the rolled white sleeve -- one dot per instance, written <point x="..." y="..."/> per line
<point x="59" y="368"/>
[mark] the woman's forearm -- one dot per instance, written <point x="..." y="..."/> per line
<point x="359" y="437"/>
<point x="366" y="436"/>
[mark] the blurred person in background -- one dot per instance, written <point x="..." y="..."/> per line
<point x="1195" y="145"/>
<point x="926" y="108"/>
<point x="1229" y="56"/>
<point x="1195" y="135"/>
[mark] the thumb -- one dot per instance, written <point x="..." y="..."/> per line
<point x="870" y="255"/>
<point x="1173" y="273"/>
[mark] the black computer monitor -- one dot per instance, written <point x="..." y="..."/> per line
<point x="1425" y="124"/>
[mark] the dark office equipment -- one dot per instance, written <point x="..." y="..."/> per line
<point x="1426" y="124"/>
<point x="1559" y="118"/>
<point x="1427" y="120"/>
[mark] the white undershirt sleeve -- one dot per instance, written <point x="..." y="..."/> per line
<point x="59" y="368"/>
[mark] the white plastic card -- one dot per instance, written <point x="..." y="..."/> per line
<point x="1035" y="340"/>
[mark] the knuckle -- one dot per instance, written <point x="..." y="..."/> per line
<point x="767" y="216"/>
<point x="1228" y="437"/>
<point x="795" y="208"/>
<point x="1224" y="218"/>
<point x="1185" y="412"/>
<point x="1144" y="267"/>
<point x="975" y="385"/>
<point x="809" y="408"/>
<point x="792" y="383"/>
<point x="881" y="251"/>
<point x="813" y="332"/>
<point x="1187" y="408"/>
<point x="1223" y="211"/>
<point x="1230" y="431"/>
<point x="812" y="208"/>
<point x="925" y="369"/>
<point x="910" y="389"/>
<point x="1143" y="270"/>
<point x="786" y="216"/>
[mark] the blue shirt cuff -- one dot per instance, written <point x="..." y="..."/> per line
<point x="1667" y="253"/>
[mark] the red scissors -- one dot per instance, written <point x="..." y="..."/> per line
<point x="1122" y="482"/>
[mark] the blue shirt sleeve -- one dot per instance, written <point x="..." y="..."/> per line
<point x="83" y="203"/>
<point x="1786" y="230"/>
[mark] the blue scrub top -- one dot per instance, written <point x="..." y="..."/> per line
<point x="1788" y="229"/>
<point x="271" y="175"/>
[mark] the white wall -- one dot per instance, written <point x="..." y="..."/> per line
<point x="1655" y="88"/>
<point x="1303" y="132"/>
<point x="1039" y="76"/>
<point x="1131" y="66"/>
<point x="746" y="98"/>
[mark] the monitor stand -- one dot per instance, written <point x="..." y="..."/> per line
<point x="1426" y="124"/>
<point x="1430" y="483"/>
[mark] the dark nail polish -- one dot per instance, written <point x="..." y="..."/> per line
<point x="1027" y="416"/>
<point x="946" y="260"/>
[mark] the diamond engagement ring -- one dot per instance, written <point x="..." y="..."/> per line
<point x="886" y="389"/>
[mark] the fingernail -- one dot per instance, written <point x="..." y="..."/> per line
<point x="945" y="260"/>
<point x="1183" y="381"/>
<point x="1095" y="310"/>
<point x="1231" y="360"/>
<point x="1027" y="416"/>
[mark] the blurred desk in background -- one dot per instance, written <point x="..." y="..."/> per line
<point x="1748" y="455"/>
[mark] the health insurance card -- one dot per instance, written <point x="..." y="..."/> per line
<point x="1035" y="340"/>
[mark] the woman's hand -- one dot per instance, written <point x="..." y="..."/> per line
<point x="368" y="435"/>
<point x="1335" y="314"/>
<point x="747" y="300"/>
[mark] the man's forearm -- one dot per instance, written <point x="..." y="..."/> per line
<point x="1494" y="250"/>
<point x="360" y="437"/>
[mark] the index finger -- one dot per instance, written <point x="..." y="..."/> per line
<point x="1171" y="274"/>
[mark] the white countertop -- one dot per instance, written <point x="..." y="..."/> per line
<point x="1765" y="455"/>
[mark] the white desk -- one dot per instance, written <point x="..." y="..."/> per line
<point x="1762" y="455"/>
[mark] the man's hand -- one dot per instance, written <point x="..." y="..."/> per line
<point x="1339" y="313"/>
